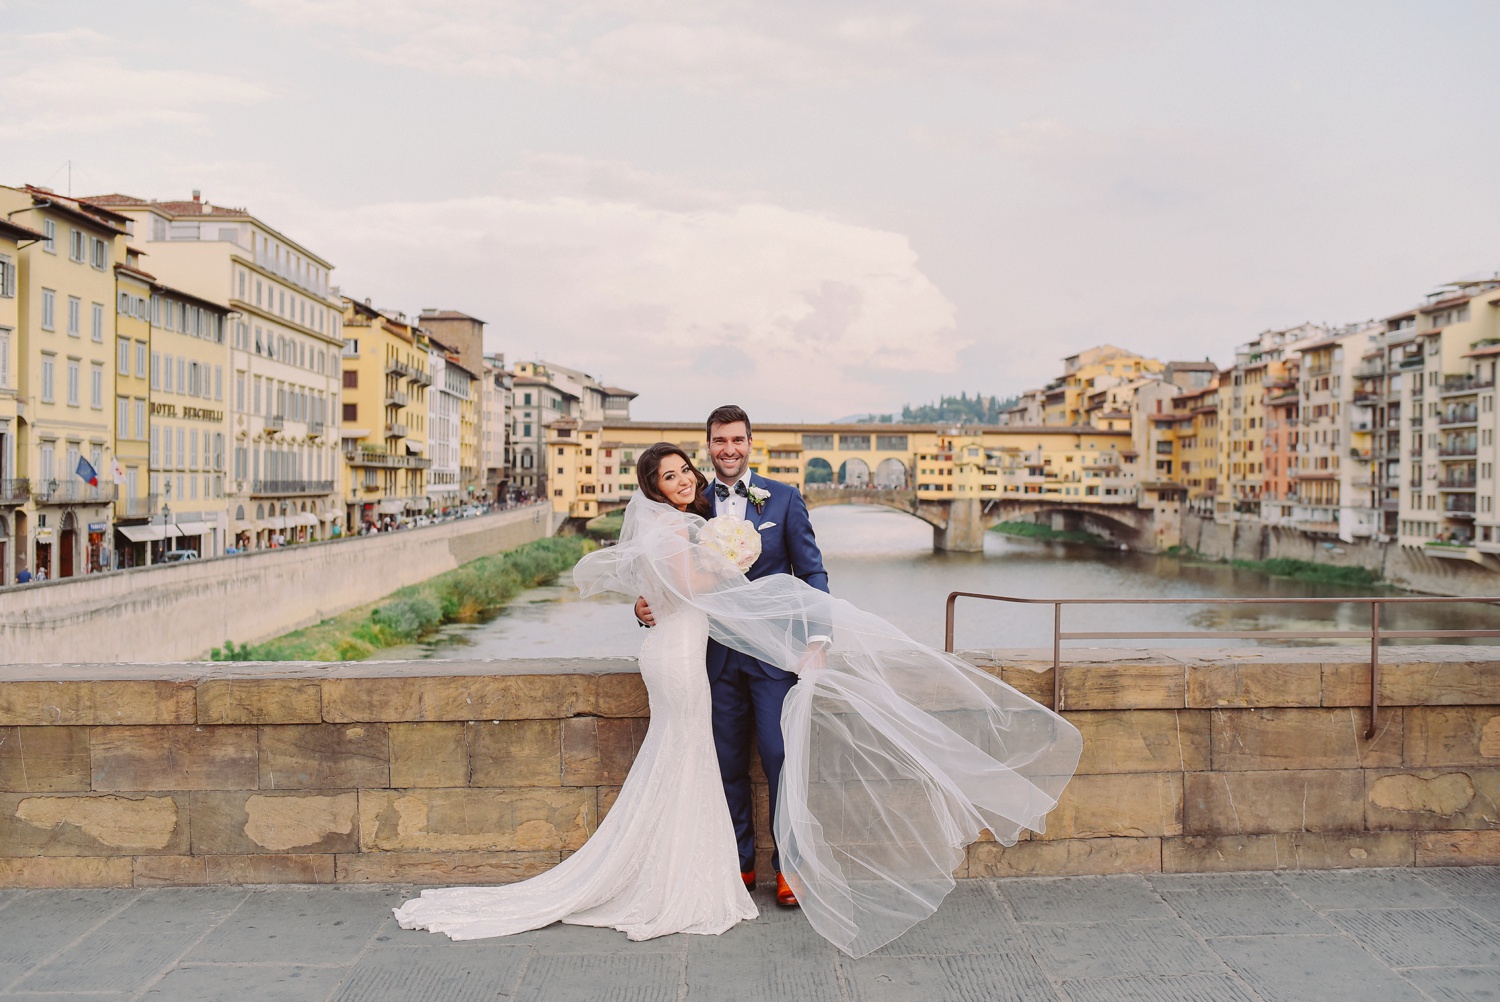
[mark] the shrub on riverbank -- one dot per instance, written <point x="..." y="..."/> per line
<point x="461" y="595"/>
<point x="1297" y="570"/>
<point x="605" y="526"/>
<point x="1035" y="530"/>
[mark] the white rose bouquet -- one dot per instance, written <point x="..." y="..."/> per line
<point x="733" y="538"/>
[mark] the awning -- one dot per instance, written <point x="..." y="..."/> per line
<point x="143" y="533"/>
<point x="306" y="518"/>
<point x="333" y="516"/>
<point x="193" y="528"/>
<point x="415" y="447"/>
<point x="392" y="506"/>
<point x="274" y="522"/>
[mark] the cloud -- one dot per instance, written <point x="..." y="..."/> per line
<point x="71" y="81"/>
<point x="791" y="311"/>
<point x="720" y="44"/>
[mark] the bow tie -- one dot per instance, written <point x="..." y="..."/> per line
<point x="723" y="492"/>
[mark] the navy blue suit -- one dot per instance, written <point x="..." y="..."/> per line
<point x="747" y="694"/>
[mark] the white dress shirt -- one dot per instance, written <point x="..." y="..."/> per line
<point x="733" y="504"/>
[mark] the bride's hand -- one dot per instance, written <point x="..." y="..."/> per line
<point x="815" y="658"/>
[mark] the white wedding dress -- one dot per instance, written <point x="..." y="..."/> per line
<point x="664" y="859"/>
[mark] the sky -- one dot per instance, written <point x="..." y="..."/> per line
<point x="811" y="210"/>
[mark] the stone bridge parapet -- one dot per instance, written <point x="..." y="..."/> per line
<point x="487" y="772"/>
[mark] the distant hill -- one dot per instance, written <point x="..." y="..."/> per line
<point x="962" y="409"/>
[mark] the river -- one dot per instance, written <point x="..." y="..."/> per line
<point x="883" y="562"/>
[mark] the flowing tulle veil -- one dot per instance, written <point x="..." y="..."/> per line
<point x="897" y="755"/>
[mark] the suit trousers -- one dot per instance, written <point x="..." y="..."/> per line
<point x="747" y="704"/>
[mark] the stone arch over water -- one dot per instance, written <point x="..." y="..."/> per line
<point x="854" y="473"/>
<point x="818" y="471"/>
<point x="891" y="474"/>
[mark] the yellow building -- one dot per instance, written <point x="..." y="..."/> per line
<point x="189" y="433"/>
<point x="64" y="378"/>
<point x="470" y="475"/>
<point x="385" y="382"/>
<point x="1198" y="446"/>
<point x="1086" y="373"/>
<point x="136" y="504"/>
<point x="14" y="489"/>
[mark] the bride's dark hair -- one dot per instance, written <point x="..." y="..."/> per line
<point x="649" y="463"/>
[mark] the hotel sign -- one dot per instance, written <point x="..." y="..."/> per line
<point x="188" y="413"/>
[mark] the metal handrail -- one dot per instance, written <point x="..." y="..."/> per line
<point x="1375" y="634"/>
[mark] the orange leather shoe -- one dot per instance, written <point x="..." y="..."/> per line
<point x="784" y="896"/>
<point x="748" y="876"/>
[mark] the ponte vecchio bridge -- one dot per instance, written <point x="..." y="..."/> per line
<point x="960" y="480"/>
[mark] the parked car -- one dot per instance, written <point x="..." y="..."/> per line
<point x="178" y="556"/>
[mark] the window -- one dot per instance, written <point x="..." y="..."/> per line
<point x="4" y="357"/>
<point x="75" y="316"/>
<point x="140" y="419"/>
<point x="7" y="278"/>
<point x="49" y="460"/>
<point x="49" y="310"/>
<point x="140" y="359"/>
<point x="98" y="253"/>
<point x="96" y="386"/>
<point x="242" y="285"/>
<point x="49" y="236"/>
<point x="122" y="360"/>
<point x="166" y="369"/>
<point x="218" y="382"/>
<point x="156" y="370"/>
<point x="73" y="377"/>
<point x="122" y="417"/>
<point x="351" y="412"/>
<point x="351" y="379"/>
<point x="155" y="448"/>
<point x="97" y="329"/>
<point x="76" y="245"/>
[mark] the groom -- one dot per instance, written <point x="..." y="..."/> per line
<point x="747" y="694"/>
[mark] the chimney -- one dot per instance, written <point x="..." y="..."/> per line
<point x="197" y="195"/>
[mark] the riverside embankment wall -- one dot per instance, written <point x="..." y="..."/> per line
<point x="1404" y="566"/>
<point x="180" y="611"/>
<point x="481" y="772"/>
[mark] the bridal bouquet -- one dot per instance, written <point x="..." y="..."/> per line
<point x="734" y="538"/>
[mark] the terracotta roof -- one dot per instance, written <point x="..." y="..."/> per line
<point x="616" y="391"/>
<point x="448" y="315"/>
<point x="136" y="271"/>
<point x="18" y="232"/>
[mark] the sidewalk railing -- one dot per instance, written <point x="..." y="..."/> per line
<point x="1374" y="635"/>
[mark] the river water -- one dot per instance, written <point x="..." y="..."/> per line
<point x="883" y="562"/>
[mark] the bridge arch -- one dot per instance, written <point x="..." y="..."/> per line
<point x="818" y="471"/>
<point x="854" y="472"/>
<point x="890" y="474"/>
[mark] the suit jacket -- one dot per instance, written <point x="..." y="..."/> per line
<point x="787" y="547"/>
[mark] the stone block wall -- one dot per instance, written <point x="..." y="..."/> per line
<point x="476" y="772"/>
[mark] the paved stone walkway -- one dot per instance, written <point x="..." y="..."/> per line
<point x="1386" y="935"/>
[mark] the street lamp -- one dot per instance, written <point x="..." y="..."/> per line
<point x="166" y="510"/>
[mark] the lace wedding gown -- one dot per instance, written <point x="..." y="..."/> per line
<point x="663" y="860"/>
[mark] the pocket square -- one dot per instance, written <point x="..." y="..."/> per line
<point x="766" y="525"/>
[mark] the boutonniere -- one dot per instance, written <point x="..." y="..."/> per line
<point x="758" y="497"/>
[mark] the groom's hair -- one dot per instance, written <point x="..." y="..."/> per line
<point x="728" y="414"/>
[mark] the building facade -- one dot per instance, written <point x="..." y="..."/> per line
<point x="385" y="384"/>
<point x="283" y="371"/>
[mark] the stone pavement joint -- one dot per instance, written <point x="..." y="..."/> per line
<point x="1394" y="935"/>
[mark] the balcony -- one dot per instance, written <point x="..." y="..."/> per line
<point x="1455" y="450"/>
<point x="395" y="368"/>
<point x="71" y="491"/>
<point x="1457" y="483"/>
<point x="396" y="399"/>
<point x="316" y="428"/>
<point x="395" y="429"/>
<point x="1457" y="416"/>
<point x="386" y="460"/>
<point x="1460" y="506"/>
<point x="15" y="491"/>
<point x="1454" y="385"/>
<point x="275" y="422"/>
<point x="281" y="487"/>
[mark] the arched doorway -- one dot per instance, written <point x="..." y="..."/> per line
<point x="19" y="558"/>
<point x="819" y="472"/>
<point x="854" y="473"/>
<point x="67" y="542"/>
<point x="891" y="474"/>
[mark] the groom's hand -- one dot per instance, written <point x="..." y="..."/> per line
<point x="643" y="612"/>
<point x="815" y="658"/>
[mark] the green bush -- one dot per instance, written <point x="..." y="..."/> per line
<point x="463" y="595"/>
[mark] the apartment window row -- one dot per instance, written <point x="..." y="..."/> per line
<point x="130" y="418"/>
<point x="278" y="399"/>
<point x="292" y="351"/>
<point x="194" y="379"/>
<point x="179" y="448"/>
<point x="185" y="318"/>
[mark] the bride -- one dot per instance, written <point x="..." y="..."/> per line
<point x="897" y="755"/>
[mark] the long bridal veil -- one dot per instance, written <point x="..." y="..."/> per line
<point x="897" y="755"/>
